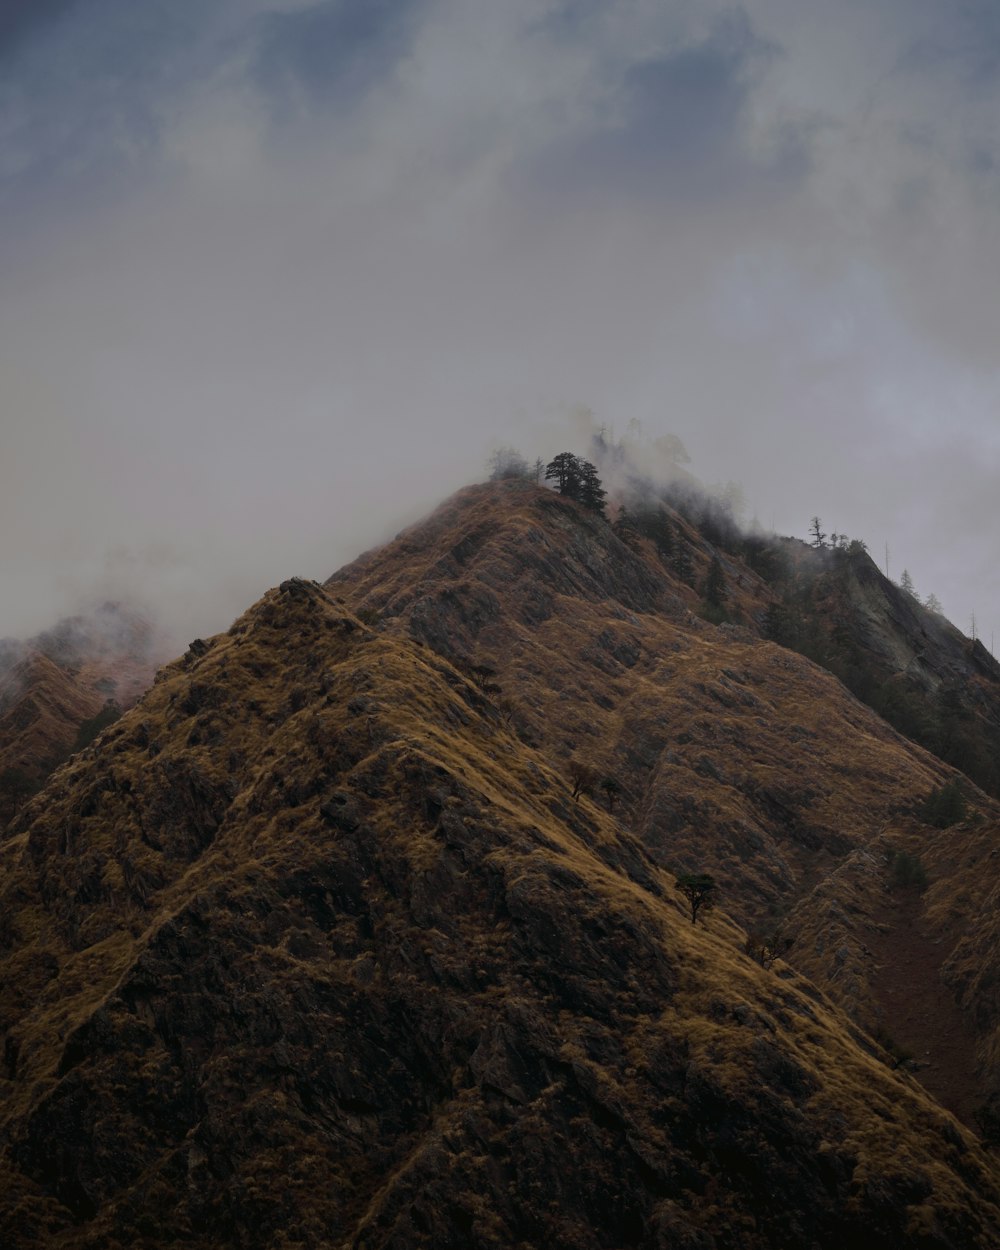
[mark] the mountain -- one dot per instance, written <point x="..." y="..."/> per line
<point x="908" y="663"/>
<point x="315" y="946"/>
<point x="59" y="688"/>
<point x="736" y="756"/>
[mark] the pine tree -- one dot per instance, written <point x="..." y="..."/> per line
<point x="566" y="471"/>
<point x="778" y="625"/>
<point x="906" y="585"/>
<point x="665" y="538"/>
<point x="818" y="537"/>
<point x="680" y="562"/>
<point x="654" y="524"/>
<point x="715" y="584"/>
<point x="592" y="493"/>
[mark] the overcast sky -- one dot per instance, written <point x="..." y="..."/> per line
<point x="276" y="275"/>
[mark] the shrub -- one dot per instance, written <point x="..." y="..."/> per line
<point x="907" y="871"/>
<point x="764" y="948"/>
<point x="987" y="1119"/>
<point x="89" y="729"/>
<point x="17" y="782"/>
<point x="899" y="1055"/>
<point x="944" y="806"/>
<point x="714" y="613"/>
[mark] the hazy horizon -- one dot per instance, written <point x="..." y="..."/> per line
<point x="277" y="276"/>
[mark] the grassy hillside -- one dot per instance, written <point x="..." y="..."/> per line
<point x="315" y="947"/>
<point x="734" y="755"/>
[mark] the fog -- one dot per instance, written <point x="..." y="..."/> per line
<point x="276" y="278"/>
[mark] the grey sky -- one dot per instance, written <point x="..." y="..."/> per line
<point x="275" y="276"/>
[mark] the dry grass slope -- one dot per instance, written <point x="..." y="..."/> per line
<point x="734" y="755"/>
<point x="314" y="948"/>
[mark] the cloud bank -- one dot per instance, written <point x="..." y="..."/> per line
<point x="277" y="276"/>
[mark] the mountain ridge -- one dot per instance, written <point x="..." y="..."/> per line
<point x="315" y="946"/>
<point x="708" y="727"/>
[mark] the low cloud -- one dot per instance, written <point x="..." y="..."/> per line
<point x="279" y="276"/>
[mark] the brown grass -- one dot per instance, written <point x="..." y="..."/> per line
<point x="333" y="818"/>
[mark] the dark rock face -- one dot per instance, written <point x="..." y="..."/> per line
<point x="354" y="969"/>
<point x="912" y="665"/>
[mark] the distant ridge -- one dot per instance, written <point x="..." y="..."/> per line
<point x="65" y="683"/>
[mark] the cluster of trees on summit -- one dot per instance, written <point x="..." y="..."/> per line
<point x="577" y="479"/>
<point x="572" y="476"/>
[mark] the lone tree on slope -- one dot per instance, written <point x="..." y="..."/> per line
<point x="612" y="788"/>
<point x="583" y="777"/>
<point x="906" y="585"/>
<point x="698" y="888"/>
<point x="576" y="479"/>
<point x="765" y="946"/>
<point x="564" y="470"/>
<point x="818" y="537"/>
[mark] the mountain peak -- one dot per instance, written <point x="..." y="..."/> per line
<point x="326" y="942"/>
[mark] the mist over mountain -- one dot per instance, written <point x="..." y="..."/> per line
<point x="276" y="276"/>
<point x="596" y="867"/>
<point x="366" y="925"/>
<point x="60" y="688"/>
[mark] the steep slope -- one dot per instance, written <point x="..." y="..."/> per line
<point x="41" y="706"/>
<point x="735" y="755"/>
<point x="312" y="949"/>
<point x="315" y="948"/>
<point x="597" y="654"/>
<point x="61" y="686"/>
<point x="832" y="604"/>
<point x="903" y="960"/>
<point x="910" y="664"/>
